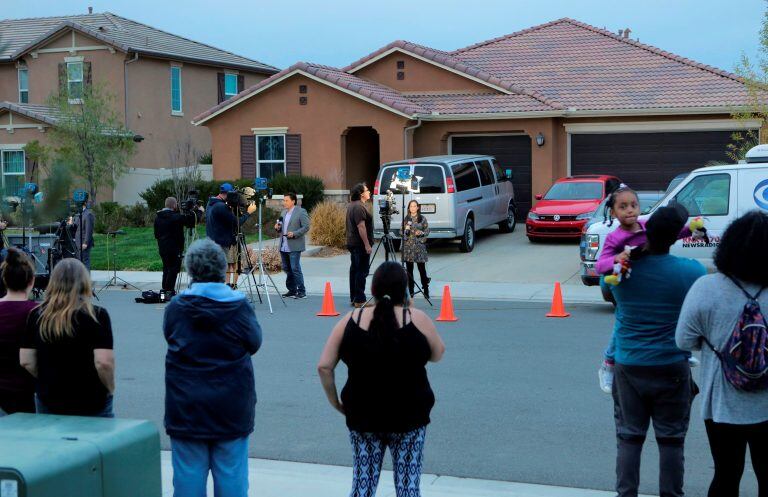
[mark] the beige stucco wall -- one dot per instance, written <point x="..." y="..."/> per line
<point x="420" y="76"/>
<point x="149" y="104"/>
<point x="320" y="123"/>
<point x="9" y="83"/>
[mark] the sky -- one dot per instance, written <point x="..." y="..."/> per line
<point x="338" y="32"/>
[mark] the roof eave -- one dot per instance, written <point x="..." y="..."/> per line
<point x="645" y="111"/>
<point x="208" y="62"/>
<point x="485" y="116"/>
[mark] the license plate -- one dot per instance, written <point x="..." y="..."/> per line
<point x="428" y="208"/>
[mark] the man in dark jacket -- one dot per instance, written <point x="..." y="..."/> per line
<point x="84" y="223"/>
<point x="221" y="227"/>
<point x="169" y="232"/>
<point x="210" y="395"/>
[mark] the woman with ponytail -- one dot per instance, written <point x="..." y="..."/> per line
<point x="68" y="347"/>
<point x="387" y="398"/>
<point x="17" y="388"/>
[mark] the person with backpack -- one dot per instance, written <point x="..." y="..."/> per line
<point x="723" y="316"/>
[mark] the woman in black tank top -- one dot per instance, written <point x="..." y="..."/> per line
<point x="387" y="398"/>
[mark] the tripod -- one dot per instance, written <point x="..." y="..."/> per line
<point x="242" y="248"/>
<point x="190" y="236"/>
<point x="113" y="281"/>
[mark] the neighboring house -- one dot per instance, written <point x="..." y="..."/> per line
<point x="556" y="99"/>
<point x="160" y="81"/>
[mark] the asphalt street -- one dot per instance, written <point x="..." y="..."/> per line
<point x="517" y="394"/>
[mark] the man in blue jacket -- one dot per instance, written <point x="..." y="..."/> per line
<point x="221" y="227"/>
<point x="210" y="395"/>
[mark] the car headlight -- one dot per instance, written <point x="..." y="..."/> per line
<point x="582" y="217"/>
<point x="592" y="246"/>
<point x="533" y="216"/>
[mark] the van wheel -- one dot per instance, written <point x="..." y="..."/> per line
<point x="468" y="238"/>
<point x="508" y="225"/>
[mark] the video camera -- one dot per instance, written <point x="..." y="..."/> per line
<point x="388" y="205"/>
<point x="191" y="202"/>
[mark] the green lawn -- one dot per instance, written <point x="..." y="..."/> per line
<point x="137" y="249"/>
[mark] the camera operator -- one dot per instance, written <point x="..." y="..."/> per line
<point x="169" y="232"/>
<point x="292" y="226"/>
<point x="84" y="222"/>
<point x="359" y="242"/>
<point x="221" y="226"/>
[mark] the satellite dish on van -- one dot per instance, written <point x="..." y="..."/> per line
<point x="757" y="154"/>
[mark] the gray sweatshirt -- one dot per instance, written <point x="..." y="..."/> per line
<point x="711" y="309"/>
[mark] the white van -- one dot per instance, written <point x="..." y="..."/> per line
<point x="459" y="194"/>
<point x="719" y="194"/>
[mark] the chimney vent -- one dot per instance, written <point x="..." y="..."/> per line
<point x="621" y="32"/>
<point x="626" y="32"/>
<point x="90" y="10"/>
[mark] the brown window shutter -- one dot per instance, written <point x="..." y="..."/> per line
<point x="240" y="83"/>
<point x="220" y="79"/>
<point x="63" y="78"/>
<point x="248" y="156"/>
<point x="87" y="78"/>
<point x="292" y="154"/>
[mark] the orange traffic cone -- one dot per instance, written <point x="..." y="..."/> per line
<point x="329" y="308"/>
<point x="558" y="309"/>
<point x="446" y="308"/>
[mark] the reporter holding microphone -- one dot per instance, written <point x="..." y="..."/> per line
<point x="414" y="232"/>
<point x="292" y="225"/>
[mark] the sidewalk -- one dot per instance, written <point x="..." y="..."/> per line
<point x="292" y="479"/>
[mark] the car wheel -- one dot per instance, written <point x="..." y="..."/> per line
<point x="607" y="294"/>
<point x="468" y="238"/>
<point x="508" y="225"/>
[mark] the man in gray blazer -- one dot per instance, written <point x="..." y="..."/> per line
<point x="292" y="225"/>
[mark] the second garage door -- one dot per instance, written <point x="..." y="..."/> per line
<point x="647" y="161"/>
<point x="512" y="152"/>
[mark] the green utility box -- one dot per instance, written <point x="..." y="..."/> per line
<point x="71" y="456"/>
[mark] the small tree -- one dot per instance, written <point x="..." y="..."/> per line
<point x="90" y="138"/>
<point x="185" y="167"/>
<point x="755" y="77"/>
<point x="39" y="157"/>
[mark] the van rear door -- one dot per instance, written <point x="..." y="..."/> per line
<point x="753" y="189"/>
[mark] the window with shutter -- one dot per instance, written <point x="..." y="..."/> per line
<point x="240" y="83"/>
<point x="293" y="154"/>
<point x="247" y="156"/>
<point x="230" y="86"/>
<point x="220" y="87"/>
<point x="75" y="81"/>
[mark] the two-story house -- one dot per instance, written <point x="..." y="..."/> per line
<point x="159" y="81"/>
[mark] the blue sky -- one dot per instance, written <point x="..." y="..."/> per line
<point x="337" y="32"/>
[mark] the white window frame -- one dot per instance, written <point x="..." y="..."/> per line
<point x="259" y="161"/>
<point x="180" y="110"/>
<point x="227" y="96"/>
<point x="23" y="90"/>
<point x="81" y="81"/>
<point x="3" y="174"/>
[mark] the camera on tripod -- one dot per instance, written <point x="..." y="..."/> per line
<point x="191" y="202"/>
<point x="388" y="205"/>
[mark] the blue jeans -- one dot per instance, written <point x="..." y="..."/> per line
<point x="358" y="272"/>
<point x="106" y="412"/>
<point x="292" y="266"/>
<point x="227" y="460"/>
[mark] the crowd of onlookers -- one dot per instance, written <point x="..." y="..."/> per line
<point x="56" y="357"/>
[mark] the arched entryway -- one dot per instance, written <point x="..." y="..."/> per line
<point x="361" y="155"/>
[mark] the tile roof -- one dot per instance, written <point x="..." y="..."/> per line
<point x="368" y="89"/>
<point x="582" y="66"/>
<point x="42" y="113"/>
<point x="479" y="103"/>
<point x="17" y="35"/>
<point x="448" y="60"/>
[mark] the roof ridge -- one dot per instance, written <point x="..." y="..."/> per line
<point x="656" y="50"/>
<point x="190" y="40"/>
<point x="510" y="35"/>
<point x="48" y="17"/>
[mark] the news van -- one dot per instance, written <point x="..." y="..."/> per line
<point x="719" y="194"/>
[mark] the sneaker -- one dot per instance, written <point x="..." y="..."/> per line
<point x="300" y="296"/>
<point x="605" y="375"/>
<point x="289" y="295"/>
<point x="693" y="362"/>
<point x="360" y="305"/>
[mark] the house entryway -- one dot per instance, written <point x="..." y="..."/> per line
<point x="361" y="155"/>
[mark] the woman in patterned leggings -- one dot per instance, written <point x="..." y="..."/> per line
<point x="387" y="398"/>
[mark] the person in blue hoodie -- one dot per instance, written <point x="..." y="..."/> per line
<point x="210" y="395"/>
<point x="221" y="227"/>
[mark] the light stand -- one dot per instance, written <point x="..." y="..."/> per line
<point x="113" y="281"/>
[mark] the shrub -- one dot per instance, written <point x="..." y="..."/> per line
<point x="110" y="216"/>
<point x="206" y="158"/>
<point x="311" y="187"/>
<point x="156" y="194"/>
<point x="139" y="215"/>
<point x="328" y="225"/>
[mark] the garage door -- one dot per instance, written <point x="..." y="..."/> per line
<point x="647" y="161"/>
<point x="512" y="152"/>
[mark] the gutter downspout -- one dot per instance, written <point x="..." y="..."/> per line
<point x="405" y="136"/>
<point x="125" y="84"/>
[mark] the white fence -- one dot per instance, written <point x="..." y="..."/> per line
<point x="136" y="180"/>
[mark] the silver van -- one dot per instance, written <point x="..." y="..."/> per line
<point x="459" y="194"/>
